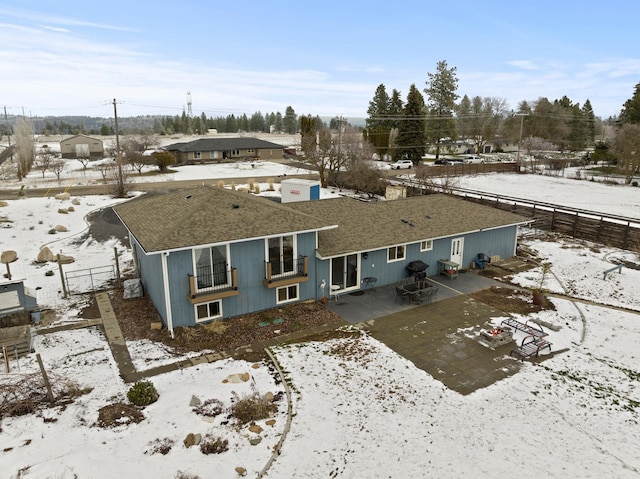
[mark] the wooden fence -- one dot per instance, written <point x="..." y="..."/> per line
<point x="612" y="230"/>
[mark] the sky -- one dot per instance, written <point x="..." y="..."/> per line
<point x="358" y="409"/>
<point x="321" y="58"/>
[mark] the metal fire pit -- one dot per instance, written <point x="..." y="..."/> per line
<point x="497" y="336"/>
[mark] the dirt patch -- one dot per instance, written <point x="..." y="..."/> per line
<point x="118" y="415"/>
<point x="136" y="315"/>
<point x="509" y="300"/>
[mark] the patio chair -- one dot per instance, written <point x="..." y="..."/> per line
<point x="402" y="294"/>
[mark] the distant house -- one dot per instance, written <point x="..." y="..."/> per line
<point x="225" y="149"/>
<point x="82" y="146"/>
<point x="212" y="253"/>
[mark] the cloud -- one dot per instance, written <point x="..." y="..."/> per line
<point x="57" y="20"/>
<point x="523" y="64"/>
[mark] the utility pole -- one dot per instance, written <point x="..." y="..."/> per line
<point x="522" y="115"/>
<point x="8" y="131"/>
<point x="118" y="158"/>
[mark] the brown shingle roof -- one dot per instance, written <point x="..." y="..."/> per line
<point x="219" y="144"/>
<point x="207" y="215"/>
<point x="369" y="226"/>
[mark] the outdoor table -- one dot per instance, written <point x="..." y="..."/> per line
<point x="370" y="282"/>
<point x="448" y="268"/>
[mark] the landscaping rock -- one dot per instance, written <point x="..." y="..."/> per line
<point x="241" y="471"/>
<point x="63" y="211"/>
<point x="190" y="440"/>
<point x="71" y="209"/>
<point x="45" y="255"/>
<point x="195" y="401"/>
<point x="60" y="228"/>
<point x="8" y="256"/>
<point x="237" y="378"/>
<point x="254" y="441"/>
<point x="65" y="259"/>
<point x="3" y="203"/>
<point x="75" y="201"/>
<point x="156" y="326"/>
<point x="270" y="422"/>
<point x="255" y="428"/>
<point x="132" y="288"/>
<point x="62" y="196"/>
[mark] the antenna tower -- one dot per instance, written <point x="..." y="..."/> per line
<point x="189" y="112"/>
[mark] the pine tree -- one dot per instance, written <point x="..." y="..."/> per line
<point x="631" y="109"/>
<point x="590" y="119"/>
<point x="410" y="140"/>
<point x="290" y="121"/>
<point x="441" y="93"/>
<point x="378" y="122"/>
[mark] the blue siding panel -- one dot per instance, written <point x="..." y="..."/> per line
<point x="150" y="268"/>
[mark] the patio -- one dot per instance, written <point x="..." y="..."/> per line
<point x="441" y="337"/>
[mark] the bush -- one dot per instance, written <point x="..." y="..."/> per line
<point x="253" y="408"/>
<point x="213" y="445"/>
<point x="210" y="408"/>
<point x="142" y="393"/>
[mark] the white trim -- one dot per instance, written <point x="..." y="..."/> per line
<point x="404" y="253"/>
<point x="295" y="254"/>
<point x="428" y="245"/>
<point x="208" y="318"/>
<point x="288" y="300"/>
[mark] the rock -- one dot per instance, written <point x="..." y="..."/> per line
<point x="255" y="428"/>
<point x="190" y="440"/>
<point x="255" y="365"/>
<point x="132" y="288"/>
<point x="52" y="231"/>
<point x="62" y="196"/>
<point x="75" y="201"/>
<point x="45" y="255"/>
<point x="195" y="401"/>
<point x="198" y="438"/>
<point x="254" y="441"/>
<point x="65" y="259"/>
<point x="63" y="211"/>
<point x="241" y="471"/>
<point x="3" y="203"/>
<point x="60" y="228"/>
<point x="270" y="422"/>
<point x="8" y="256"/>
<point x="268" y="396"/>
<point x="156" y="325"/>
<point x="71" y="209"/>
<point x="237" y="378"/>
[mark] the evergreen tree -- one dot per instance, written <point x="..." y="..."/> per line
<point x="441" y="93"/>
<point x="308" y="128"/>
<point x="279" y="122"/>
<point x="378" y="123"/>
<point x="631" y="109"/>
<point x="411" y="131"/>
<point x="290" y="121"/>
<point x="590" y="120"/>
<point x="396" y="107"/>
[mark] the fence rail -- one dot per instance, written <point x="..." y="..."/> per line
<point x="89" y="280"/>
<point x="613" y="230"/>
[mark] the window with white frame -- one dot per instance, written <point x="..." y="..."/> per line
<point x="395" y="253"/>
<point x="208" y="311"/>
<point x="197" y="155"/>
<point x="426" y="245"/>
<point x="211" y="267"/>
<point x="287" y="293"/>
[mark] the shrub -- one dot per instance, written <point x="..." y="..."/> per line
<point x="142" y="393"/>
<point x="253" y="408"/>
<point x="211" y="408"/>
<point x="160" y="446"/>
<point x="213" y="445"/>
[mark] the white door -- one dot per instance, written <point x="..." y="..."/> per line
<point x="457" y="247"/>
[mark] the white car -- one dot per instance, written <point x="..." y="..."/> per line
<point x="473" y="159"/>
<point x="401" y="164"/>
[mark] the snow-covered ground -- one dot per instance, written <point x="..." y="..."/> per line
<point x="359" y="409"/>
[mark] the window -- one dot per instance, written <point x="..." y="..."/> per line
<point x="208" y="311"/>
<point x="211" y="266"/>
<point x="251" y="150"/>
<point x="287" y="293"/>
<point x="281" y="254"/>
<point x="426" y="245"/>
<point x="395" y="253"/>
<point x="197" y="155"/>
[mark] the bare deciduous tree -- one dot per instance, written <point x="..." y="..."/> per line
<point x="627" y="148"/>
<point x="57" y="167"/>
<point x="436" y="180"/>
<point x="25" y="145"/>
<point x="137" y="160"/>
<point x="46" y="156"/>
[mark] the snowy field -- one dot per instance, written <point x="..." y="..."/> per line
<point x="359" y="409"/>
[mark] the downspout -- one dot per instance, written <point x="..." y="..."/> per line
<point x="167" y="293"/>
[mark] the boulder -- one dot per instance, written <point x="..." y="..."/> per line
<point x="71" y="209"/>
<point x="195" y="401"/>
<point x="75" y="201"/>
<point x="132" y="288"/>
<point x="156" y="325"/>
<point x="3" y="203"/>
<point x="45" y="255"/>
<point x="255" y="428"/>
<point x="8" y="256"/>
<point x="190" y="440"/>
<point x="63" y="211"/>
<point x="60" y="228"/>
<point x="237" y="378"/>
<point x="65" y="259"/>
<point x="241" y="471"/>
<point x="62" y="196"/>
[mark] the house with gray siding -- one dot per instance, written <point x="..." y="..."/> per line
<point x="225" y="149"/>
<point x="212" y="253"/>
